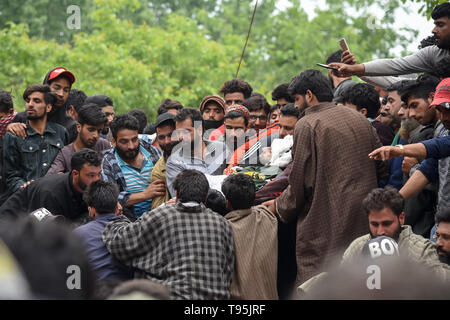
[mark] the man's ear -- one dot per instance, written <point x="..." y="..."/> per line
<point x="229" y="207"/>
<point x="363" y="111"/>
<point x="78" y="127"/>
<point x="402" y="218"/>
<point x="430" y="98"/>
<point x="48" y="108"/>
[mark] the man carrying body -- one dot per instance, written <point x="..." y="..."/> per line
<point x="193" y="152"/>
<point x="61" y="194"/>
<point x="184" y="246"/>
<point x="328" y="161"/>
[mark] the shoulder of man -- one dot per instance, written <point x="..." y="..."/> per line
<point x="354" y="250"/>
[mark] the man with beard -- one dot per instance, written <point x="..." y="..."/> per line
<point x="61" y="194"/>
<point x="30" y="158"/>
<point x="129" y="164"/>
<point x="443" y="235"/>
<point x="193" y="152"/>
<point x="328" y="157"/>
<point x="60" y="82"/>
<point x="425" y="60"/>
<point x="384" y="208"/>
<point x="236" y="125"/>
<point x="212" y="109"/>
<point x="91" y="122"/>
<point x="165" y="126"/>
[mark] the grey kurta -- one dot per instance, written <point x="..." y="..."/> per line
<point x="331" y="175"/>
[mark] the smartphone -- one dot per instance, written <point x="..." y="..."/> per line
<point x="343" y="44"/>
<point x="326" y="66"/>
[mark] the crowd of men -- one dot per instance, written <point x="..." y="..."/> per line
<point x="235" y="198"/>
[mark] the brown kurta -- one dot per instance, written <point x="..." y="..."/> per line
<point x="256" y="246"/>
<point x="159" y="172"/>
<point x="331" y="175"/>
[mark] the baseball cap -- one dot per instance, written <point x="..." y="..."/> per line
<point x="442" y="94"/>
<point x="43" y="215"/>
<point x="381" y="246"/>
<point x="167" y="116"/>
<point x="55" y="73"/>
<point x="215" y="98"/>
<point x="99" y="99"/>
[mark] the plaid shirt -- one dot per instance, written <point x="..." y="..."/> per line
<point x="112" y="172"/>
<point x="189" y="249"/>
<point x="4" y="121"/>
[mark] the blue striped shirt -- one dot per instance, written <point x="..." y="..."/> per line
<point x="138" y="180"/>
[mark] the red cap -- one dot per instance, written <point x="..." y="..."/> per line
<point x="60" y="71"/>
<point x="442" y="94"/>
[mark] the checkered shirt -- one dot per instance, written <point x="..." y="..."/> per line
<point x="190" y="250"/>
<point x="111" y="170"/>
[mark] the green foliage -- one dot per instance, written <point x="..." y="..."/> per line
<point x="140" y="52"/>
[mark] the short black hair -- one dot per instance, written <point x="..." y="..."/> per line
<point x="312" y="80"/>
<point x="123" y="121"/>
<point x="441" y="10"/>
<point x="76" y="99"/>
<point x="49" y="96"/>
<point x="256" y="103"/>
<point x="442" y="215"/>
<point x="102" y="196"/>
<point x="191" y="185"/>
<point x="281" y="92"/>
<point x="168" y="104"/>
<point x="335" y="57"/>
<point x="92" y="115"/>
<point x="363" y="95"/>
<point x="237" y="85"/>
<point x="44" y="252"/>
<point x="6" y="101"/>
<point x="141" y="117"/>
<point x="216" y="202"/>
<point x="235" y="115"/>
<point x="188" y="113"/>
<point x="380" y="198"/>
<point x="240" y="190"/>
<point x="420" y="88"/>
<point x="399" y="85"/>
<point x="83" y="156"/>
<point x="150" y="128"/>
<point x="289" y="110"/>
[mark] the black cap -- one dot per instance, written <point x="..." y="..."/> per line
<point x="99" y="99"/>
<point x="167" y="116"/>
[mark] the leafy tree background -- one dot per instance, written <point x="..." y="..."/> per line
<point x="139" y="52"/>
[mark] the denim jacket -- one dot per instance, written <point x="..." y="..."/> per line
<point x="30" y="158"/>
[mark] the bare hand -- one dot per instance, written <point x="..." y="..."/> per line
<point x="171" y="201"/>
<point x="408" y="163"/>
<point x="347" y="70"/>
<point x="17" y="129"/>
<point x="26" y="184"/>
<point x="156" y="189"/>
<point x="385" y="153"/>
<point x="270" y="205"/>
<point x="348" y="58"/>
